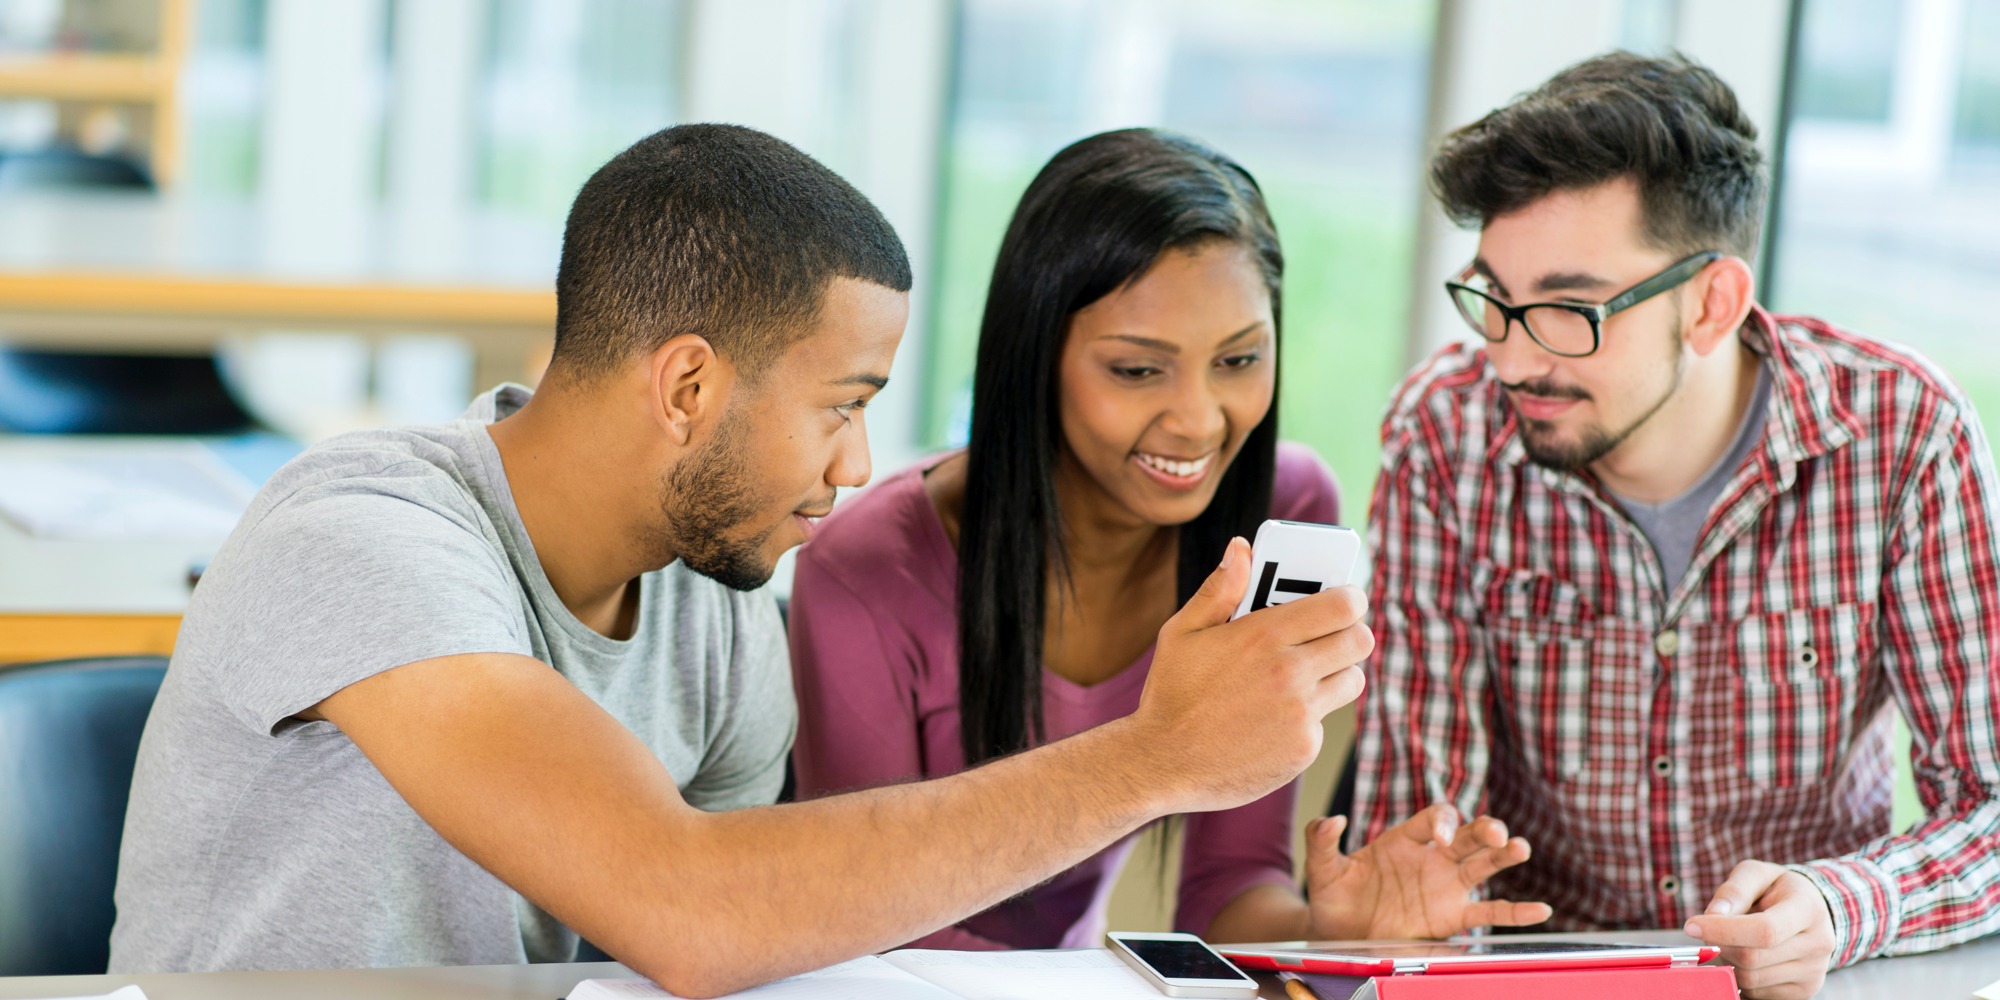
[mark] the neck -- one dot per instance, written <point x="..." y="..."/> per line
<point x="584" y="522"/>
<point x="1103" y="540"/>
<point x="1689" y="433"/>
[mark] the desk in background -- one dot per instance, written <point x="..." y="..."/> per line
<point x="62" y="598"/>
<point x="136" y="271"/>
<point x="1945" y="975"/>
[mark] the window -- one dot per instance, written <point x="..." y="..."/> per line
<point x="1888" y="220"/>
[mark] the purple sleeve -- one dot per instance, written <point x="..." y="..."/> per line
<point x="1229" y="853"/>
<point x="857" y="706"/>
<point x="857" y="702"/>
<point x="1304" y="488"/>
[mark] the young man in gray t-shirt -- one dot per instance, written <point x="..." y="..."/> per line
<point x="449" y="693"/>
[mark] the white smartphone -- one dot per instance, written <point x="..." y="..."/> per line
<point x="1291" y="559"/>
<point x="1182" y="965"/>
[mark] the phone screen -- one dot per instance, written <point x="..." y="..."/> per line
<point x="1183" y="960"/>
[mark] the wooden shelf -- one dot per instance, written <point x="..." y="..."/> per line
<point x="84" y="77"/>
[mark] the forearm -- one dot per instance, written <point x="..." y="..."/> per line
<point x="757" y="894"/>
<point x="1262" y="913"/>
<point x="1917" y="892"/>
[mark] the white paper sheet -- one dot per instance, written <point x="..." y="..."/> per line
<point x="121" y="993"/>
<point x="178" y="490"/>
<point x="862" y="979"/>
<point x="1027" y="975"/>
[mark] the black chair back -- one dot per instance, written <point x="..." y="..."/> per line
<point x="69" y="734"/>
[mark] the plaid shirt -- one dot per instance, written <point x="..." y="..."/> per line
<point x="1646" y="735"/>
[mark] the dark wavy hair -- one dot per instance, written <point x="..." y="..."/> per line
<point x="1667" y="122"/>
<point x="1095" y="218"/>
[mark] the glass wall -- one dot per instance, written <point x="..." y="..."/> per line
<point x="1888" y="220"/>
<point x="1323" y="102"/>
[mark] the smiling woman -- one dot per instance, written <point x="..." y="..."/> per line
<point x="1124" y="429"/>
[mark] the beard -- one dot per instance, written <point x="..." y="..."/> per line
<point x="1541" y="437"/>
<point x="705" y="498"/>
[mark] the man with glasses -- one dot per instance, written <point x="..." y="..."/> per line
<point x="1654" y="567"/>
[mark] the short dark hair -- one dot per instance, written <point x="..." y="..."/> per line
<point x="1097" y="217"/>
<point x="1668" y="123"/>
<point x="716" y="230"/>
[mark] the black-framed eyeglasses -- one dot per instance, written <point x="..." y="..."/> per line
<point x="1570" y="329"/>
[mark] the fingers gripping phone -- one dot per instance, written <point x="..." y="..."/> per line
<point x="1182" y="965"/>
<point x="1291" y="559"/>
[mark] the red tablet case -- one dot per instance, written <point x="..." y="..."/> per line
<point x="1704" y="982"/>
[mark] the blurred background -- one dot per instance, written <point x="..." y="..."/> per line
<point x="236" y="226"/>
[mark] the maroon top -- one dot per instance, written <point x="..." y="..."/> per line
<point x="874" y="632"/>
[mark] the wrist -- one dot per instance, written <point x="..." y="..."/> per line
<point x="1121" y="765"/>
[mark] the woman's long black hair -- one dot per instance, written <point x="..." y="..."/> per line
<point x="1096" y="217"/>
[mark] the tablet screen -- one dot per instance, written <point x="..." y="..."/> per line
<point x="1483" y="949"/>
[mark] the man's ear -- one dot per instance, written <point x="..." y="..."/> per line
<point x="690" y="384"/>
<point x="1724" y="293"/>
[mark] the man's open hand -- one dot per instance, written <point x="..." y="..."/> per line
<point x="1414" y="881"/>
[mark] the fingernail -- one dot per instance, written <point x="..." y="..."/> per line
<point x="1692" y="929"/>
<point x="1722" y="906"/>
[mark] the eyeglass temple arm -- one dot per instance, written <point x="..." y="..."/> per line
<point x="1658" y="283"/>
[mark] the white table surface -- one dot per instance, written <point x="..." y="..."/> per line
<point x="1948" y="975"/>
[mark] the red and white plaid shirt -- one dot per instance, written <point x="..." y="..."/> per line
<point x="1646" y="735"/>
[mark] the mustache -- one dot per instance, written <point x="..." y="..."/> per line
<point x="1546" y="389"/>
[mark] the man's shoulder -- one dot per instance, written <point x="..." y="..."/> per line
<point x="1890" y="392"/>
<point x="1447" y="406"/>
<point x="413" y="469"/>
<point x="1847" y="357"/>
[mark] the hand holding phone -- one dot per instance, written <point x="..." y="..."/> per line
<point x="1292" y="559"/>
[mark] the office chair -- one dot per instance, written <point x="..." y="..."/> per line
<point x="69" y="734"/>
<point x="61" y="392"/>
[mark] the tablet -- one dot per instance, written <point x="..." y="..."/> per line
<point x="1436" y="958"/>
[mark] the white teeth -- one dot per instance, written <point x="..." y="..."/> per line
<point x="1178" y="469"/>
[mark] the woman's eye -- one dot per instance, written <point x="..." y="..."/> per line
<point x="1240" y="360"/>
<point x="1134" y="373"/>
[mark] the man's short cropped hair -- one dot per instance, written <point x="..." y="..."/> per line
<point x="716" y="230"/>
<point x="1668" y="123"/>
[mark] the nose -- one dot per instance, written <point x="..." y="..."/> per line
<point x="1517" y="358"/>
<point x="850" y="468"/>
<point x="1195" y="414"/>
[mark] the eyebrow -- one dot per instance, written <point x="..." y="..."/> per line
<point x="878" y="381"/>
<point x="1169" y="347"/>
<point x="1560" y="281"/>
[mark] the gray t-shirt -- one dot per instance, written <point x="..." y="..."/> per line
<point x="1674" y="526"/>
<point x="256" y="841"/>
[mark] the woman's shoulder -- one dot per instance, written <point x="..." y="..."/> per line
<point x="888" y="532"/>
<point x="1304" y="488"/>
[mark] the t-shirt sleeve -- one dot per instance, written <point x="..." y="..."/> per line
<point x="1304" y="488"/>
<point x="329" y="590"/>
<point x="745" y="761"/>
